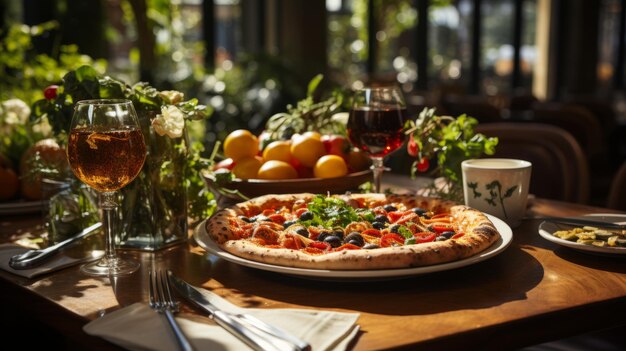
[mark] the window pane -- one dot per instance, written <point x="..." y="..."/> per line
<point x="528" y="53"/>
<point x="608" y="42"/>
<point x="449" y="31"/>
<point x="394" y="22"/>
<point x="496" y="45"/>
<point x="227" y="30"/>
<point x="347" y="39"/>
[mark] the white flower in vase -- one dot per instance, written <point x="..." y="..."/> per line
<point x="13" y="112"/>
<point x="171" y="97"/>
<point x="170" y="122"/>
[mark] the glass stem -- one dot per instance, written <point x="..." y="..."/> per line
<point x="378" y="168"/>
<point x="108" y="204"/>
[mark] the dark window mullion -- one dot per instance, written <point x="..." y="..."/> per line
<point x="474" y="85"/>
<point x="371" y="39"/>
<point x="261" y="25"/>
<point x="618" y="77"/>
<point x="253" y="25"/>
<point x="421" y="44"/>
<point x="208" y="33"/>
<point x="558" y="45"/>
<point x="517" y="43"/>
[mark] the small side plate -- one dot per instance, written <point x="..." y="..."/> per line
<point x="547" y="228"/>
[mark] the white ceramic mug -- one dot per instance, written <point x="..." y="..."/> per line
<point x="498" y="186"/>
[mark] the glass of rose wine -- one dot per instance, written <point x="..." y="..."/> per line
<point x="106" y="151"/>
<point x="376" y="124"/>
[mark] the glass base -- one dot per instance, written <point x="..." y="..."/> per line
<point x="106" y="267"/>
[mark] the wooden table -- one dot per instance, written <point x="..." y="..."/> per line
<point x="533" y="292"/>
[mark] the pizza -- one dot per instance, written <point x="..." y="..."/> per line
<point x="351" y="231"/>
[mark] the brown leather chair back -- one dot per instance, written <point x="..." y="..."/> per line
<point x="560" y="169"/>
<point x="617" y="194"/>
<point x="578" y="121"/>
<point x="476" y="107"/>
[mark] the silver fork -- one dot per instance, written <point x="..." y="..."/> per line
<point x="161" y="300"/>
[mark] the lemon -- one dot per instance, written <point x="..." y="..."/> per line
<point x="311" y="134"/>
<point x="247" y="168"/>
<point x="241" y="144"/>
<point x="330" y="166"/>
<point x="279" y="150"/>
<point x="308" y="148"/>
<point x="274" y="169"/>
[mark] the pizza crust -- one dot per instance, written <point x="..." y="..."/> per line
<point x="480" y="233"/>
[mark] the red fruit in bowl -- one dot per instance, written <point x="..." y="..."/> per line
<point x="265" y="138"/>
<point x="412" y="148"/>
<point x="304" y="172"/>
<point x="227" y="163"/>
<point x="51" y="92"/>
<point x="358" y="160"/>
<point x="336" y="145"/>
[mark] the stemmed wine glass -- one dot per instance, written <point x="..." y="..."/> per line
<point x="106" y="151"/>
<point x="376" y="124"/>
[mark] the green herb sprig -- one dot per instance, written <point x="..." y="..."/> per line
<point x="330" y="212"/>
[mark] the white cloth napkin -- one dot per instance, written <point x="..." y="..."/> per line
<point x="54" y="263"/>
<point x="137" y="327"/>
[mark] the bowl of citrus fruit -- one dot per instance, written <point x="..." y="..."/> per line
<point x="308" y="162"/>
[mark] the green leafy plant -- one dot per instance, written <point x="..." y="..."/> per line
<point x="309" y="114"/>
<point x="450" y="141"/>
<point x="86" y="83"/>
<point x="25" y="72"/>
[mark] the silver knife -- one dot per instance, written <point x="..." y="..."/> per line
<point x="32" y="258"/>
<point x="586" y="222"/>
<point x="254" y="332"/>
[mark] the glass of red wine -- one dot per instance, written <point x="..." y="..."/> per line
<point x="106" y="150"/>
<point x="376" y="124"/>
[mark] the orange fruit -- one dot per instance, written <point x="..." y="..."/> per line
<point x="51" y="155"/>
<point x="307" y="148"/>
<point x="330" y="166"/>
<point x="247" y="168"/>
<point x="241" y="144"/>
<point x="279" y="150"/>
<point x="9" y="180"/>
<point x="274" y="169"/>
<point x="311" y="134"/>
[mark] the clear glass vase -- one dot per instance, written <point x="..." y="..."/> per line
<point x="153" y="211"/>
<point x="70" y="207"/>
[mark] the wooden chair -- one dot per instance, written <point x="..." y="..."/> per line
<point x="601" y="108"/>
<point x="578" y="121"/>
<point x="560" y="169"/>
<point x="617" y="194"/>
<point x="476" y="107"/>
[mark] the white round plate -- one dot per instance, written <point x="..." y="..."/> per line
<point x="506" y="235"/>
<point x="547" y="228"/>
<point x="20" y="207"/>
